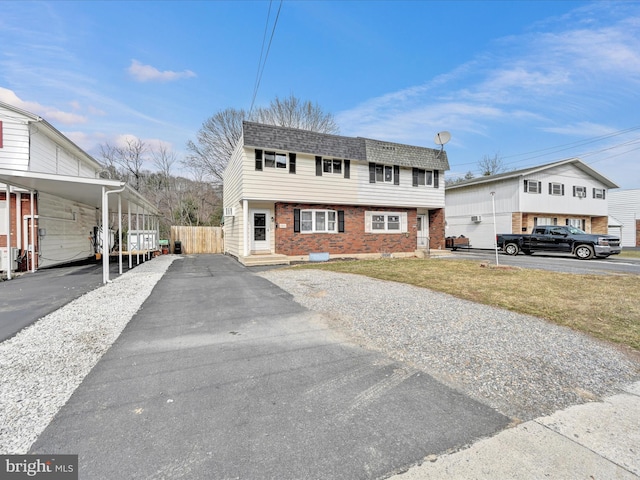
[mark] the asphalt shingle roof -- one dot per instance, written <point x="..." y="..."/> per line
<point x="264" y="136"/>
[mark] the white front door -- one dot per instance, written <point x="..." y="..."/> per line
<point x="260" y="230"/>
<point x="423" y="231"/>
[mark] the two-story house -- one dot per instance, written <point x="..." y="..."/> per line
<point x="53" y="202"/>
<point x="567" y="192"/>
<point x="292" y="194"/>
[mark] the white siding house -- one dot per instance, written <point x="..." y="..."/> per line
<point x="624" y="211"/>
<point x="52" y="201"/>
<point x="291" y="193"/>
<point x="568" y="192"/>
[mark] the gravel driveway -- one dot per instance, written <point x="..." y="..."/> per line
<point x="523" y="366"/>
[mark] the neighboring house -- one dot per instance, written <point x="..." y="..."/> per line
<point x="567" y="192"/>
<point x="56" y="202"/>
<point x="293" y="194"/>
<point x="624" y="209"/>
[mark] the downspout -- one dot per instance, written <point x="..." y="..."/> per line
<point x="105" y="231"/>
<point x="8" y="220"/>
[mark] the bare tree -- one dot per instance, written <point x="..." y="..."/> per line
<point x="452" y="181"/>
<point x="219" y="135"/>
<point x="293" y="112"/>
<point x="130" y="159"/>
<point x="491" y="165"/>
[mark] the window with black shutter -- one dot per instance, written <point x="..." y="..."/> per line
<point x="318" y="166"/>
<point x="347" y="169"/>
<point x="292" y="163"/>
<point x="258" y="159"/>
<point x="296" y="220"/>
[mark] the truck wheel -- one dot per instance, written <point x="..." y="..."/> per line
<point x="511" y="249"/>
<point x="584" y="252"/>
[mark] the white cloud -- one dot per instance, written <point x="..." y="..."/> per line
<point x="147" y="73"/>
<point x="52" y="115"/>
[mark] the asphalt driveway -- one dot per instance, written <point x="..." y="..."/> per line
<point x="31" y="296"/>
<point x="222" y="375"/>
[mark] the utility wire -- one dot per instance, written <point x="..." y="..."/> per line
<point x="262" y="62"/>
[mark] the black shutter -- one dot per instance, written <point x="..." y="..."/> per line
<point x="604" y="193"/>
<point x="341" y="221"/>
<point x="396" y="175"/>
<point x="372" y="173"/>
<point x="436" y="179"/>
<point x="526" y="185"/>
<point x="574" y="190"/>
<point x="550" y="188"/>
<point x="414" y="176"/>
<point x="563" y="189"/>
<point x="258" y="159"/>
<point x="292" y="163"/>
<point x="540" y="188"/>
<point x="296" y="220"/>
<point x="347" y="169"/>
<point x="594" y="192"/>
<point x="318" y="166"/>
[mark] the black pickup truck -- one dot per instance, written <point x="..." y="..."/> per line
<point x="550" y="238"/>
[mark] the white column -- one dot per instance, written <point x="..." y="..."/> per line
<point x="245" y="228"/>
<point x="32" y="247"/>
<point x="129" y="232"/>
<point x="105" y="236"/>
<point x="120" y="234"/>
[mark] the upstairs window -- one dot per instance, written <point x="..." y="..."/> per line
<point x="532" y="186"/>
<point x="428" y="178"/>
<point x="556" y="188"/>
<point x="332" y="166"/>
<point x="275" y="160"/>
<point x="379" y="173"/>
<point x="579" y="191"/>
<point x="599" y="193"/>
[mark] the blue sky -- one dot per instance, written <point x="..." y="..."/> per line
<point x="531" y="81"/>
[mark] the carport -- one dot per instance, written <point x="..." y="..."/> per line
<point x="106" y="195"/>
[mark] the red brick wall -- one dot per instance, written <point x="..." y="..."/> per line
<point x="637" y="233"/>
<point x="436" y="229"/>
<point x="354" y="240"/>
<point x="26" y="210"/>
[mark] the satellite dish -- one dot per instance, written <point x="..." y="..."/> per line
<point x="442" y="138"/>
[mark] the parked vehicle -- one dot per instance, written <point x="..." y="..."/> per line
<point x="551" y="238"/>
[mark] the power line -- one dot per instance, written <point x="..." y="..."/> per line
<point x="262" y="62"/>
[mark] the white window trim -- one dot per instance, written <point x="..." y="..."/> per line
<point x="580" y="191"/>
<point x="537" y="183"/>
<point x="598" y="193"/>
<point x="368" y="222"/>
<point x="331" y="163"/>
<point x="314" y="216"/>
<point x="278" y="158"/>
<point x="555" y="185"/>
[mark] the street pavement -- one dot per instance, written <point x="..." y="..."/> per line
<point x="222" y="375"/>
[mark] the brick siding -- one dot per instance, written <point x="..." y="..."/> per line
<point x="354" y="240"/>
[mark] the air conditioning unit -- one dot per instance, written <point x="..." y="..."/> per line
<point x="229" y="212"/>
<point x="476" y="218"/>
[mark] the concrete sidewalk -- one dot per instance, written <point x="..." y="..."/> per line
<point x="599" y="440"/>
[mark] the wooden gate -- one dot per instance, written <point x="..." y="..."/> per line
<point x="198" y="239"/>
